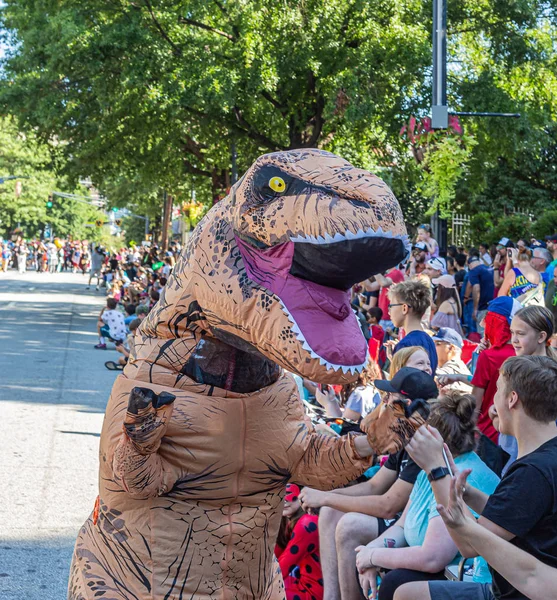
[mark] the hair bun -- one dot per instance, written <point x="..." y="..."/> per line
<point x="463" y="406"/>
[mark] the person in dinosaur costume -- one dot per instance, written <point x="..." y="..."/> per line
<point x="204" y="428"/>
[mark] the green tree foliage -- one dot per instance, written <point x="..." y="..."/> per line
<point x="23" y="155"/>
<point x="481" y="229"/>
<point x="157" y="92"/>
<point x="546" y="224"/>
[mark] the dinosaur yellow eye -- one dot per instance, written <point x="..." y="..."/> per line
<point x="277" y="184"/>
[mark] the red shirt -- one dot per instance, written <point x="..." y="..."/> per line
<point x="395" y="276"/>
<point x="485" y="377"/>
<point x="376" y="342"/>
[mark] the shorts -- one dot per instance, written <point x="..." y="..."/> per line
<point x="383" y="525"/>
<point x="105" y="332"/>
<point x="95" y="273"/>
<point x="458" y="590"/>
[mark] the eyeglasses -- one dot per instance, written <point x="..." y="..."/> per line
<point x="397" y="304"/>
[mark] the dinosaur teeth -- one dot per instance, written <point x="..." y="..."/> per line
<point x="327" y="238"/>
<point x="305" y="345"/>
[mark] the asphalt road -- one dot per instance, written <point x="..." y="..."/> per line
<point x="53" y="392"/>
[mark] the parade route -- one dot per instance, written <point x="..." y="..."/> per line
<point x="53" y="392"/>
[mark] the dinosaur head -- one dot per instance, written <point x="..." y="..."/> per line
<point x="274" y="261"/>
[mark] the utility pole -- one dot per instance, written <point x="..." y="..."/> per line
<point x="439" y="108"/>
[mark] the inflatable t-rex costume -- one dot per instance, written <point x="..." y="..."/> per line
<point x="204" y="429"/>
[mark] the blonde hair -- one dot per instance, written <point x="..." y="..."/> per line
<point x="400" y="359"/>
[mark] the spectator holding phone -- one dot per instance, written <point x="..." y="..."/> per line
<point x="523" y="508"/>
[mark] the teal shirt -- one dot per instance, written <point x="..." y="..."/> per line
<point x="423" y="506"/>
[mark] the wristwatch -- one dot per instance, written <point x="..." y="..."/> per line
<point x="438" y="473"/>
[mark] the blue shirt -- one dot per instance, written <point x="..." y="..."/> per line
<point x="422" y="339"/>
<point x="423" y="506"/>
<point x="484" y="277"/>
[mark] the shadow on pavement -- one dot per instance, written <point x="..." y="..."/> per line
<point x="36" y="569"/>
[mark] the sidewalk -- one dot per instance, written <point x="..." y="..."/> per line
<point x="53" y="391"/>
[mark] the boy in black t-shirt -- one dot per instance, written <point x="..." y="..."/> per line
<point x="523" y="508"/>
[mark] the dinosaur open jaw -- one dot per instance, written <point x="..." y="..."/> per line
<point x="312" y="278"/>
<point x="337" y="346"/>
<point x="342" y="260"/>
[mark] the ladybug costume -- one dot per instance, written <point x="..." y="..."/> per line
<point x="299" y="561"/>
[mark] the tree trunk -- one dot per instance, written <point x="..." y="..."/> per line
<point x="166" y="220"/>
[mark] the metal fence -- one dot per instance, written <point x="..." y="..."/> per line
<point x="459" y="230"/>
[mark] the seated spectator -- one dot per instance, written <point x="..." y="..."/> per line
<point x="297" y="550"/>
<point x="523" y="571"/>
<point x="413" y="356"/>
<point x="447" y="302"/>
<point x="448" y="344"/>
<point x="130" y="314"/>
<point x="110" y="325"/>
<point x="142" y="311"/>
<point x="124" y="349"/>
<point x="498" y="348"/>
<point x="362" y="397"/>
<point x="418" y="546"/>
<point x="154" y="298"/>
<point x="409" y="302"/>
<point x="531" y="329"/>
<point x="354" y="515"/>
<point x="523" y="507"/>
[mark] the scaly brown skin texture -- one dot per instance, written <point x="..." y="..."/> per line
<point x="203" y="429"/>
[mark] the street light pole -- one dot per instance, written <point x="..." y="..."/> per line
<point x="439" y="108"/>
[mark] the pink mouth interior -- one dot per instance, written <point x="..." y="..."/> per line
<point x="323" y="314"/>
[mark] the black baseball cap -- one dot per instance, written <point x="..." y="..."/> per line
<point x="411" y="383"/>
<point x="551" y="238"/>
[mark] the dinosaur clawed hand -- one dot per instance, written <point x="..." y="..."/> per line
<point x="142" y="399"/>
<point x="147" y="417"/>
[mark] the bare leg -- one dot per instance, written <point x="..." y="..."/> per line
<point x="328" y="519"/>
<point x="353" y="530"/>
<point x="413" y="591"/>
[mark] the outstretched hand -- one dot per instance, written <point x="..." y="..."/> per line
<point x="456" y="515"/>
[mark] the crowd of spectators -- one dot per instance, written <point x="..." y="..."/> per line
<point x="473" y="333"/>
<point x="133" y="279"/>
